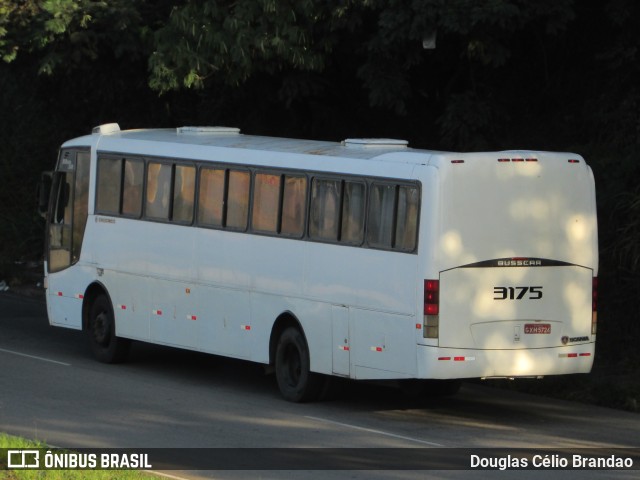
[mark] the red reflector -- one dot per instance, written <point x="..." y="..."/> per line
<point x="458" y="359"/>
<point x="517" y="159"/>
<point x="444" y="358"/>
<point x="418" y="326"/>
<point x="504" y="160"/>
<point x="573" y="160"/>
<point x="594" y="294"/>
<point x="572" y="355"/>
<point x="585" y="354"/>
<point x="457" y="161"/>
<point x="531" y="160"/>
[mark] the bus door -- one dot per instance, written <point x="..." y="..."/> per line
<point x="67" y="218"/>
<point x="68" y="210"/>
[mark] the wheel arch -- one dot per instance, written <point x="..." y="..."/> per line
<point x="91" y="293"/>
<point x="285" y="320"/>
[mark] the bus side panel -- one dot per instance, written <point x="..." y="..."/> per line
<point x="383" y="345"/>
<point x="224" y="321"/>
<point x="173" y="315"/>
<point x="314" y="318"/>
<point x="64" y="296"/>
<point x="361" y="278"/>
<point x="130" y="297"/>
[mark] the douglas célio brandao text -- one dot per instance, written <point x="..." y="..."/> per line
<point x="550" y="461"/>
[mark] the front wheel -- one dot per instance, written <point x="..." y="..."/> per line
<point x="101" y="328"/>
<point x="296" y="381"/>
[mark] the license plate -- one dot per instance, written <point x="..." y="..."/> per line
<point x="537" y="328"/>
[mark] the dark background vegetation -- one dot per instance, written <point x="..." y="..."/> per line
<point x="543" y="74"/>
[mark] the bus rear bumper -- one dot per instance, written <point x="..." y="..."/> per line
<point x="443" y="363"/>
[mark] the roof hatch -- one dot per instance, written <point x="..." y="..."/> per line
<point x="209" y="130"/>
<point x="375" y="143"/>
<point x="106" y="128"/>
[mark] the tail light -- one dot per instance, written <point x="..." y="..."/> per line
<point x="594" y="306"/>
<point x="431" y="308"/>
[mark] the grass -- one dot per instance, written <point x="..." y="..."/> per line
<point x="8" y="441"/>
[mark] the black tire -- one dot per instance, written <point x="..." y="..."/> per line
<point x="101" y="328"/>
<point x="295" y="380"/>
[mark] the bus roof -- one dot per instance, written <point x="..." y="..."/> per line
<point x="110" y="137"/>
<point x="195" y="142"/>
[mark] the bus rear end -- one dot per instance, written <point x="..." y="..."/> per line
<point x="511" y="291"/>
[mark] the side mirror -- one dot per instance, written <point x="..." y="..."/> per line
<point x="43" y="192"/>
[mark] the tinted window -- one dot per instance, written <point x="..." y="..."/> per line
<point x="158" y="190"/>
<point x="294" y="198"/>
<point x="238" y="200"/>
<point x="381" y="211"/>
<point x="324" y="209"/>
<point x="211" y="197"/>
<point x="266" y="200"/>
<point x="353" y="213"/>
<point x="184" y="188"/>
<point x="407" y="218"/>
<point x="132" y="187"/>
<point x="109" y="182"/>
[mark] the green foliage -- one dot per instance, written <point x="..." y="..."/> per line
<point x="231" y="42"/>
<point x="65" y="33"/>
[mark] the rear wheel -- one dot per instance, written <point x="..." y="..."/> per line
<point x="296" y="381"/>
<point x="101" y="328"/>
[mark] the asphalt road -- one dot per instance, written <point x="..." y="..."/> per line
<point x="52" y="390"/>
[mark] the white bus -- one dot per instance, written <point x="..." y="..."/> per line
<point x="363" y="259"/>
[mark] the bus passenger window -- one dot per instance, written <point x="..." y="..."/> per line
<point x="266" y="201"/>
<point x="407" y="218"/>
<point x="238" y="200"/>
<point x="108" y="191"/>
<point x="158" y="190"/>
<point x="380" y="220"/>
<point x="132" y="187"/>
<point x="293" y="205"/>
<point x="184" y="188"/>
<point x="211" y="197"/>
<point x="325" y="205"/>
<point x="352" y="229"/>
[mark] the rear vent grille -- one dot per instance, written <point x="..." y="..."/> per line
<point x="375" y="143"/>
<point x="209" y="130"/>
